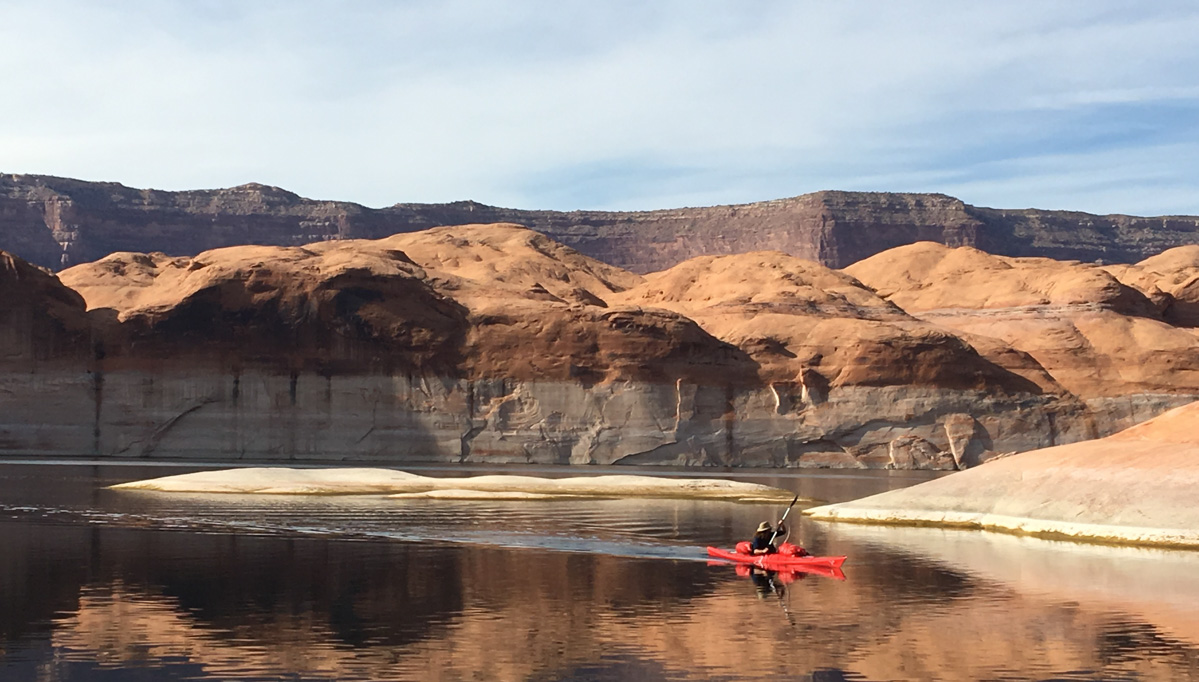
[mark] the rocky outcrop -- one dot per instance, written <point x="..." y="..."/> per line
<point x="1102" y="340"/>
<point x="1073" y="235"/>
<point x="351" y="349"/>
<point x="496" y="344"/>
<point x="797" y="316"/>
<point x="1135" y="487"/>
<point x="60" y="222"/>
<point x="40" y="319"/>
<point x="49" y="387"/>
<point x="833" y="354"/>
<point x="285" y="308"/>
<point x="1170" y="280"/>
<point x="89" y="220"/>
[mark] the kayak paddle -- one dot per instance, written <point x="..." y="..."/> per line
<point x="776" y="530"/>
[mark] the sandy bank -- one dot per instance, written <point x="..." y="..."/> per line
<point x="1135" y="487"/>
<point x="284" y="481"/>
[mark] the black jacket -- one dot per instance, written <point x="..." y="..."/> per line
<point x="761" y="540"/>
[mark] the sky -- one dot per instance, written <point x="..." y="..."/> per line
<point x="617" y="105"/>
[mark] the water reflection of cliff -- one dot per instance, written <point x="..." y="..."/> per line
<point x="1155" y="586"/>
<point x="231" y="607"/>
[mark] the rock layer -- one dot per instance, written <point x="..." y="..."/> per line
<point x="1104" y="341"/>
<point x="59" y="222"/>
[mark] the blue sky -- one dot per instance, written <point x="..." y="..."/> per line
<point x="1089" y="106"/>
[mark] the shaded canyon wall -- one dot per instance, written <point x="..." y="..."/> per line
<point x="184" y="413"/>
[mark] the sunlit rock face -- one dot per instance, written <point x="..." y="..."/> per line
<point x="839" y="361"/>
<point x="800" y="319"/>
<point x="1169" y="279"/>
<point x="352" y="349"/>
<point x="1134" y="487"/>
<point x="1102" y="339"/>
<point x="496" y="344"/>
<point x="281" y="307"/>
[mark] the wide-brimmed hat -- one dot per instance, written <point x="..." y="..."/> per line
<point x="764" y="527"/>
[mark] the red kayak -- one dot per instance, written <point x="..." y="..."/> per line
<point x="779" y="561"/>
<point x="788" y="575"/>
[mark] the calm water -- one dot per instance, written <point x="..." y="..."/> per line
<point x="106" y="585"/>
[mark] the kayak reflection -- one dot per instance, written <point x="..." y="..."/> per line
<point x="785" y="560"/>
<point x="783" y="576"/>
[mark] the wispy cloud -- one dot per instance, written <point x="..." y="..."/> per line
<point x="1090" y="106"/>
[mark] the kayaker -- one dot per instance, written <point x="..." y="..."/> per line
<point x="763" y="540"/>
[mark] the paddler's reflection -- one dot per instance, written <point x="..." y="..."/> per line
<point x="764" y="583"/>
<point x="767" y="582"/>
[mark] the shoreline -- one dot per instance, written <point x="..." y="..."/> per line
<point x="1087" y="533"/>
<point x="1136" y="487"/>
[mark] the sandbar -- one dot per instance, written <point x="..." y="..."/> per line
<point x="370" y="481"/>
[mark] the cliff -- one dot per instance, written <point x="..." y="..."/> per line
<point x="1118" y="347"/>
<point x="40" y="320"/>
<point x="496" y="344"/>
<point x="59" y="222"/>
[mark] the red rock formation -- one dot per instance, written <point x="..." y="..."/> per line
<point x="794" y="315"/>
<point x="284" y="307"/>
<point x="40" y="319"/>
<point x="496" y="344"/>
<point x="353" y="306"/>
<point x="58" y="222"/>
<point x="540" y="311"/>
<point x="1171" y="280"/>
<point x="89" y="220"/>
<point x="1101" y="339"/>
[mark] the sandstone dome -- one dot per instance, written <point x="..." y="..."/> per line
<point x="1171" y="280"/>
<point x="794" y="315"/>
<point x="1097" y="336"/>
<point x="497" y="300"/>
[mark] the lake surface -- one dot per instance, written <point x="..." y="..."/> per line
<point x="108" y="585"/>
